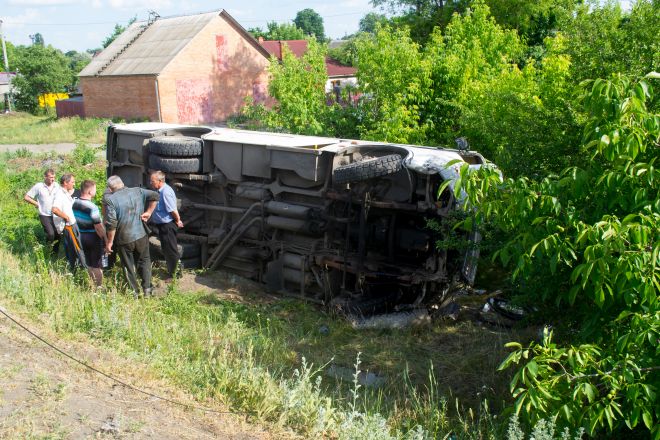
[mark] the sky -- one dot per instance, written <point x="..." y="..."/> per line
<point x="84" y="24"/>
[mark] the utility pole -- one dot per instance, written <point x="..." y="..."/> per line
<point x="4" y="55"/>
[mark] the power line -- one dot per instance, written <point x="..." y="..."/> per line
<point x="61" y="24"/>
<point x="127" y="385"/>
<point x="25" y="23"/>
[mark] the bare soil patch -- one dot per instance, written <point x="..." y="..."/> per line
<point x="43" y="395"/>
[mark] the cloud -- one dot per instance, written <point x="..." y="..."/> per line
<point x="43" y="2"/>
<point x="241" y="12"/>
<point x="15" y="26"/>
<point x="355" y="4"/>
<point x="157" y="5"/>
<point x="20" y="20"/>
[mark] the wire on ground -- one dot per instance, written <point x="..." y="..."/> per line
<point x="127" y="385"/>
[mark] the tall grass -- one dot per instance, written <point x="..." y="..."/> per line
<point x="24" y="128"/>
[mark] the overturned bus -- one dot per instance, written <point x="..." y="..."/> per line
<point x="339" y="222"/>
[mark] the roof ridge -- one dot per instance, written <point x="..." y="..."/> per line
<point x="184" y="15"/>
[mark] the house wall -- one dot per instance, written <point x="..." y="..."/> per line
<point x="209" y="79"/>
<point x="128" y="97"/>
<point x="344" y="81"/>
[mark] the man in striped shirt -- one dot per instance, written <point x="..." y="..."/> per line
<point x="92" y="232"/>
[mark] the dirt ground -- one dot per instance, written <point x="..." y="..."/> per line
<point x="44" y="395"/>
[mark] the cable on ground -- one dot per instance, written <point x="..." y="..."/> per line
<point x="127" y="385"/>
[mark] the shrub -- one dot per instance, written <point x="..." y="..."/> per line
<point x="589" y="238"/>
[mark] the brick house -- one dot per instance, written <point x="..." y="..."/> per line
<point x="192" y="69"/>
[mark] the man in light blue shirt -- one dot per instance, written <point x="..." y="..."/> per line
<point x="166" y="220"/>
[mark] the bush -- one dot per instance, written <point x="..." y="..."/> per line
<point x="589" y="238"/>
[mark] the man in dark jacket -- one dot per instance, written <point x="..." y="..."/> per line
<point x="125" y="214"/>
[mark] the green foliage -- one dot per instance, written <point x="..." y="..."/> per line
<point x="346" y="54"/>
<point x="417" y="95"/>
<point x="421" y="16"/>
<point x="603" y="39"/>
<point x="473" y="50"/>
<point x="534" y="20"/>
<point x="523" y="120"/>
<point x="370" y="22"/>
<point x="278" y="31"/>
<point x="595" y="232"/>
<point x="298" y="85"/>
<point x="395" y="80"/>
<point x="41" y="69"/>
<point x="311" y="23"/>
<point x="77" y="62"/>
<point x="11" y="54"/>
<point x="117" y="31"/>
<point x="37" y="39"/>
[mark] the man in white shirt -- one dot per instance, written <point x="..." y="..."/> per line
<point x="65" y="221"/>
<point x="42" y="195"/>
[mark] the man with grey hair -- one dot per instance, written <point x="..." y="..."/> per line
<point x="125" y="213"/>
<point x="166" y="220"/>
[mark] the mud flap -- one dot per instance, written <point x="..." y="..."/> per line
<point x="469" y="269"/>
<point x="274" y="278"/>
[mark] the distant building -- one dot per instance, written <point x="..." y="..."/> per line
<point x="192" y="69"/>
<point x="5" y="81"/>
<point x="5" y="89"/>
<point x="338" y="75"/>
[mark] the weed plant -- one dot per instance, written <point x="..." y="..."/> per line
<point x="265" y="359"/>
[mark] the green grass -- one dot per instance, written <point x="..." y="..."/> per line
<point x="265" y="358"/>
<point x="24" y="128"/>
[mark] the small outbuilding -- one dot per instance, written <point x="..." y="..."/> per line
<point x="195" y="69"/>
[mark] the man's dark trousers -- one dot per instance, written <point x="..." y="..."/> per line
<point x="52" y="235"/>
<point x="168" y="242"/>
<point x="72" y="249"/>
<point x="136" y="252"/>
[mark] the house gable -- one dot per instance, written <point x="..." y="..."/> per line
<point x="209" y="79"/>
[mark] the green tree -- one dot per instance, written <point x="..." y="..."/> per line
<point x="421" y="16"/>
<point x="278" y="31"/>
<point x="368" y="22"/>
<point x="298" y="85"/>
<point x="311" y="23"/>
<point x="11" y="56"/>
<point x="534" y="20"/>
<point x="117" y="31"/>
<point x="41" y="69"/>
<point x="587" y="243"/>
<point x="346" y="54"/>
<point x="37" y="39"/>
<point x="395" y="80"/>
<point x="473" y="49"/>
<point x="77" y="62"/>
<point x="604" y="39"/>
<point x="523" y="119"/>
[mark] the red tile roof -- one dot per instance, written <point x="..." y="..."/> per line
<point x="335" y="68"/>
<point x="299" y="47"/>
